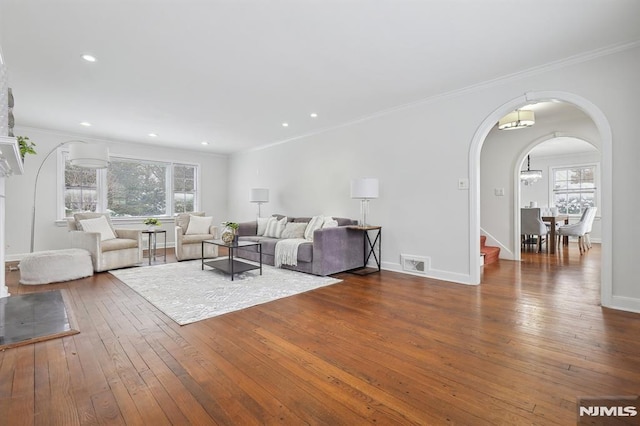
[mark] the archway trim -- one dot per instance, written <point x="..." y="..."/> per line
<point x="606" y="142"/>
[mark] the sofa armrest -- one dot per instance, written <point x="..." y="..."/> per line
<point x="213" y="230"/>
<point x="247" y="228"/>
<point x="336" y="250"/>
<point x="131" y="234"/>
<point x="89" y="241"/>
<point x="179" y="232"/>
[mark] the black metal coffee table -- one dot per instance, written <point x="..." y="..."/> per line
<point x="230" y="265"/>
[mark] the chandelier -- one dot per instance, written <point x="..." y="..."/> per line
<point x="529" y="176"/>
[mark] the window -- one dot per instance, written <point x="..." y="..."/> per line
<point x="130" y="187"/>
<point x="574" y="188"/>
<point x="137" y="188"/>
<point x="81" y="191"/>
<point x="184" y="188"/>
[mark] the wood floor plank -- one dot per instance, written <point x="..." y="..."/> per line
<point x="59" y="380"/>
<point x="385" y="348"/>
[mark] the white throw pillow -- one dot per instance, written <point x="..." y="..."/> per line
<point x="270" y="228"/>
<point x="329" y="222"/>
<point x="99" y="224"/>
<point x="314" y="224"/>
<point x="294" y="230"/>
<point x="275" y="227"/>
<point x="262" y="225"/>
<point x="199" y="225"/>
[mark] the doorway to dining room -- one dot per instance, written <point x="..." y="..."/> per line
<point x="567" y="183"/>
<point x="499" y="183"/>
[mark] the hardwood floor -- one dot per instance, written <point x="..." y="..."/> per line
<point x="386" y="348"/>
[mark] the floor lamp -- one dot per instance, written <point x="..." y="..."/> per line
<point x="259" y="195"/>
<point x="364" y="189"/>
<point x="81" y="154"/>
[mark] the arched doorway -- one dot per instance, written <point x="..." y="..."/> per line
<point x="604" y="131"/>
<point x="551" y="144"/>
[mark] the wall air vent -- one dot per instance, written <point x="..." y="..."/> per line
<point x="414" y="264"/>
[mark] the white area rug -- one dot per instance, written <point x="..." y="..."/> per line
<point x="188" y="294"/>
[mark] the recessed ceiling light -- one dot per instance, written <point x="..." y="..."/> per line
<point x="85" y="124"/>
<point x="88" y="58"/>
<point x="204" y="143"/>
<point x="313" y="115"/>
<point x="153" y="135"/>
<point x="285" y="124"/>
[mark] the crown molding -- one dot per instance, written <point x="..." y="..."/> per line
<point x="529" y="72"/>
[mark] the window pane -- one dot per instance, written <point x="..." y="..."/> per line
<point x="559" y="185"/>
<point x="560" y="201"/>
<point x="80" y="189"/>
<point x="588" y="200"/>
<point x="136" y="189"/>
<point x="588" y="174"/>
<point x="560" y="175"/>
<point x="574" y="203"/>
<point x="184" y="178"/>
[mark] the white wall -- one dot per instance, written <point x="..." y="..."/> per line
<point x="48" y="234"/>
<point x="419" y="152"/>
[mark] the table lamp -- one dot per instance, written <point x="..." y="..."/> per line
<point x="259" y="195"/>
<point x="364" y="189"/>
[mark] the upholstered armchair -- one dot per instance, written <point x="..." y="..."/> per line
<point x="191" y="229"/>
<point x="581" y="229"/>
<point x="110" y="248"/>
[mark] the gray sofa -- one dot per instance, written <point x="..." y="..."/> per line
<point x="333" y="250"/>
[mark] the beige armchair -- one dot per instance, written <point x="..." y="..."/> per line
<point x="188" y="240"/>
<point x="110" y="248"/>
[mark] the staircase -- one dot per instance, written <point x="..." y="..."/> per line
<point x="490" y="253"/>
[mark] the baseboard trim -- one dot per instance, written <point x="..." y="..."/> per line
<point x="431" y="273"/>
<point x="624" y="303"/>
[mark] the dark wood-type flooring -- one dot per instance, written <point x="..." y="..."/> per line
<point x="386" y="348"/>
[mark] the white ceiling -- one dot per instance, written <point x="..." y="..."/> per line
<point x="230" y="72"/>
<point x="562" y="146"/>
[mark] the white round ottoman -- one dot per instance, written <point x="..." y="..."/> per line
<point x="50" y="266"/>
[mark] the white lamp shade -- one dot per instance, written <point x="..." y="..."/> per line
<point x="517" y="120"/>
<point x="259" y="195"/>
<point x="364" y="188"/>
<point x="91" y="156"/>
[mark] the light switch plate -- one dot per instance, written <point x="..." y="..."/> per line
<point x="463" y="183"/>
<point x="499" y="192"/>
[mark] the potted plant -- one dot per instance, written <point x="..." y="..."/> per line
<point x="26" y="146"/>
<point x="152" y="222"/>
<point x="230" y="232"/>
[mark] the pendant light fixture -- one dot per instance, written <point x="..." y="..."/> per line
<point x="518" y="119"/>
<point x="529" y="176"/>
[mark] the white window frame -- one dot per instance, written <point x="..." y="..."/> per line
<point x="101" y="182"/>
<point x="597" y="184"/>
<point x="196" y="184"/>
<point x="62" y="155"/>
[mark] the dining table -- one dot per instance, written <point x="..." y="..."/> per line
<point x="553" y="221"/>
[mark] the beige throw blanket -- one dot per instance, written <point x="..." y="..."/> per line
<point x="287" y="251"/>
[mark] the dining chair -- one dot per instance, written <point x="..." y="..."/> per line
<point x="531" y="225"/>
<point x="581" y="229"/>
<point x="587" y="234"/>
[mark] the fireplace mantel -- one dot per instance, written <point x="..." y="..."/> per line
<point x="10" y="160"/>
